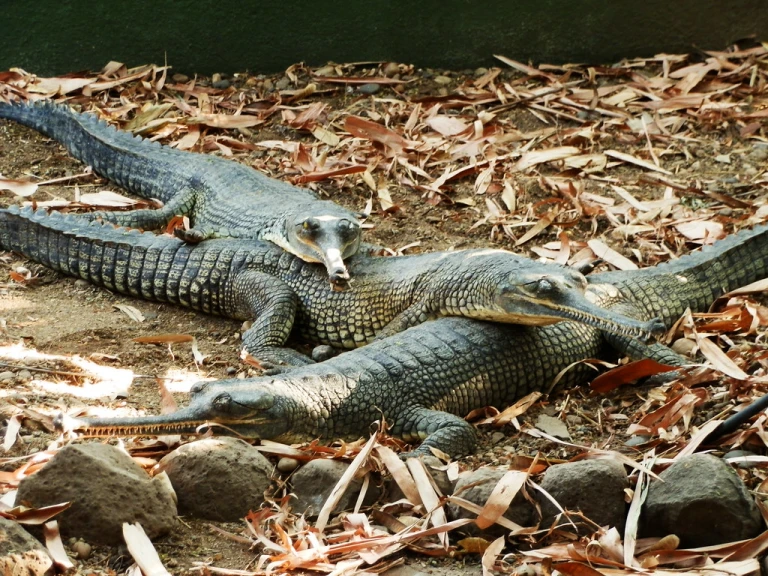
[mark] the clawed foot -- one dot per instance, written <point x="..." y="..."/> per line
<point x="322" y="353"/>
<point x="663" y="377"/>
<point x="277" y="361"/>
<point x="192" y="236"/>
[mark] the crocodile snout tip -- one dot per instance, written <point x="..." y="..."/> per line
<point x="656" y="328"/>
<point x="339" y="278"/>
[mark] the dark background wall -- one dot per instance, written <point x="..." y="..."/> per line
<point x="205" y="36"/>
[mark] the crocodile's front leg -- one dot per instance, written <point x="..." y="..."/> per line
<point x="435" y="429"/>
<point x="272" y="304"/>
<point x="148" y="219"/>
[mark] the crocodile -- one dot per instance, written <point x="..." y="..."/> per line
<point x="220" y="197"/>
<point x="250" y="279"/>
<point x="424" y="380"/>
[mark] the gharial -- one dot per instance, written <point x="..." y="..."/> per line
<point x="249" y="279"/>
<point x="424" y="380"/>
<point x="222" y="198"/>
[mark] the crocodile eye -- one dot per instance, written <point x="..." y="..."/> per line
<point x="347" y="228"/>
<point x="544" y="286"/>
<point x="222" y="402"/>
<point x="198" y="387"/>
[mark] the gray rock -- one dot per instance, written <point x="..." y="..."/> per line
<point x="24" y="376"/>
<point x="17" y="546"/>
<point x="368" y="88"/>
<point x="283" y="83"/>
<point x="7" y="375"/>
<point x="218" y="478"/>
<point x="313" y="482"/>
<point x="481" y="71"/>
<point x="481" y="483"/>
<point x="106" y="488"/>
<point x="287" y="465"/>
<point x="552" y="426"/>
<point x="390" y="69"/>
<point x="703" y="501"/>
<point x="593" y="487"/>
<point x="758" y="155"/>
<point x="442" y="80"/>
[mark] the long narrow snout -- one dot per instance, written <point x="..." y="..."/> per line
<point x="334" y="263"/>
<point x="577" y="307"/>
<point x="183" y="421"/>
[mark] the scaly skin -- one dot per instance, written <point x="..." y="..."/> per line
<point x="222" y="198"/>
<point x="248" y="279"/>
<point x="424" y="380"/>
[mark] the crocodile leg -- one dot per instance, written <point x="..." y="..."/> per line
<point x="415" y="314"/>
<point x="436" y="429"/>
<point x="272" y="304"/>
<point x="148" y="219"/>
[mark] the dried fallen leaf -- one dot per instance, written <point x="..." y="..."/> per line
<point x="489" y="556"/>
<point x="627" y="373"/>
<point x="107" y="199"/>
<point x="225" y="120"/>
<point x="362" y="128"/>
<point x="56" y="546"/>
<point x="142" y="551"/>
<point x="164" y="339"/>
<point x="719" y="360"/>
<point x="540" y="156"/>
<point x="130" y="311"/>
<point x="447" y="125"/>
<point x="610" y="255"/>
<point x="636" y="161"/>
<point x="21" y="188"/>
<point x="343" y="484"/>
<point x="501" y="497"/>
<point x="12" y="431"/>
<point x="35" y="516"/>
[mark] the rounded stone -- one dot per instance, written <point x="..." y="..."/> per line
<point x="106" y="488"/>
<point x="287" y="465"/>
<point x="703" y="501"/>
<point x="218" y="478"/>
<point x="593" y="487"/>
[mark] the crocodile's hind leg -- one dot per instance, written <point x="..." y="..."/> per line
<point x="272" y="304"/>
<point x="200" y="233"/>
<point x="182" y="204"/>
<point x="441" y="430"/>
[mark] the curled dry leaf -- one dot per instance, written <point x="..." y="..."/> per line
<point x="343" y="484"/>
<point x="362" y="128"/>
<point x="130" y="311"/>
<point x="501" y="497"/>
<point x="35" y="516"/>
<point x="490" y="555"/>
<point x="142" y="551"/>
<point x="627" y="373"/>
<point x="12" y="431"/>
<point x="549" y="155"/>
<point x="719" y="359"/>
<point x="610" y="255"/>
<point x="22" y="188"/>
<point x="56" y="546"/>
<point x="164" y="339"/>
<point x="107" y="199"/>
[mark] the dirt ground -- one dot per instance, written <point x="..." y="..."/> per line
<point x="73" y="321"/>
